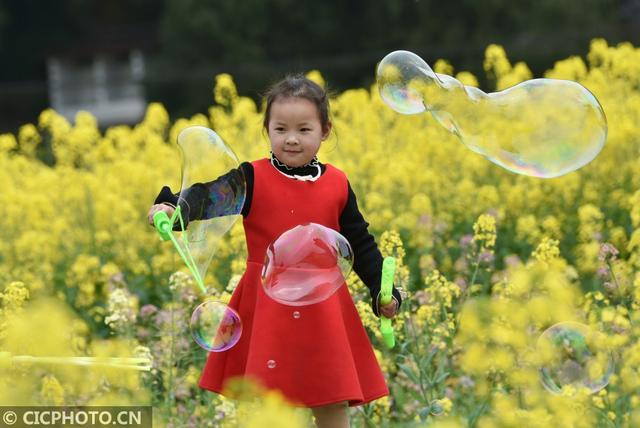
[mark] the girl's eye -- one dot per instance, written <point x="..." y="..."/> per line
<point x="305" y="129"/>
<point x="279" y="129"/>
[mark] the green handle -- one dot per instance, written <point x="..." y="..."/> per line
<point x="386" y="294"/>
<point x="164" y="227"/>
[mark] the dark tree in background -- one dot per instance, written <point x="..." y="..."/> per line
<point x="31" y="31"/>
<point x="188" y="42"/>
<point x="259" y="40"/>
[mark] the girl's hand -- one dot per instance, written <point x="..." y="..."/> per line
<point x="389" y="310"/>
<point x="160" y="207"/>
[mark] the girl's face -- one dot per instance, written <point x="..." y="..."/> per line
<point x="295" y="130"/>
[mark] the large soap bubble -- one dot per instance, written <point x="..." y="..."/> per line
<point x="213" y="190"/>
<point x="306" y="265"/>
<point x="540" y="127"/>
<point x="574" y="357"/>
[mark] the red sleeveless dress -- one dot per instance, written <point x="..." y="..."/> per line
<point x="322" y="355"/>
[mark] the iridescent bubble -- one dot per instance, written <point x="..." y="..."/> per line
<point x="575" y="357"/>
<point x="394" y="76"/>
<point x="306" y="265"/>
<point x="213" y="191"/>
<point x="540" y="127"/>
<point x="215" y="326"/>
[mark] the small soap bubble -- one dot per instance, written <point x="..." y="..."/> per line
<point x="296" y="314"/>
<point x="215" y="326"/>
<point x="271" y="364"/>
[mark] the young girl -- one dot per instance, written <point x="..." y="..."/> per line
<point x="322" y="357"/>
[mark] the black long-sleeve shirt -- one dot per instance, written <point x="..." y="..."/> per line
<point x="367" y="261"/>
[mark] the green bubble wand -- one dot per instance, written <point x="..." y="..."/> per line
<point x="164" y="227"/>
<point x="136" y="363"/>
<point x="386" y="294"/>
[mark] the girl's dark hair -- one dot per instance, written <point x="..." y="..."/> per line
<point x="298" y="85"/>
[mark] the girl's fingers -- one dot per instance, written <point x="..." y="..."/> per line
<point x="389" y="310"/>
<point x="152" y="211"/>
<point x="159" y="207"/>
<point x="389" y="313"/>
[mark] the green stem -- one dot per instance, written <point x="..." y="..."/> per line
<point x="482" y="407"/>
<point x="466" y="292"/>
<point x="368" y="422"/>
<point x="170" y="397"/>
<point x="476" y="414"/>
<point x="613" y="275"/>
<point x="475" y="273"/>
<point x="417" y="352"/>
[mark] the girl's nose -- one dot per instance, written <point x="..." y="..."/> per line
<point x="291" y="139"/>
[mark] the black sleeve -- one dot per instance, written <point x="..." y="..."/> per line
<point x="216" y="198"/>
<point x="367" y="260"/>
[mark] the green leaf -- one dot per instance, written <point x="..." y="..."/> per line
<point x="411" y="374"/>
<point x="442" y="377"/>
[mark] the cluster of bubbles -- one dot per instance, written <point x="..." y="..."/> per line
<point x="541" y="127"/>
<point x="305" y="265"/>
<point x="216" y="204"/>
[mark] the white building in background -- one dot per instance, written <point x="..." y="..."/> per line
<point x="110" y="88"/>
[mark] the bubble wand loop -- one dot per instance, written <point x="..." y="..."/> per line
<point x="386" y="288"/>
<point x="164" y="227"/>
